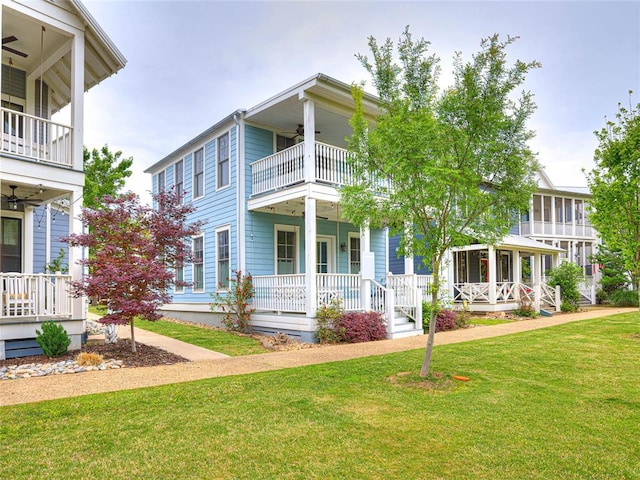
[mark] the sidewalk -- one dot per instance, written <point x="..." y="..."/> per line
<point x="52" y="387"/>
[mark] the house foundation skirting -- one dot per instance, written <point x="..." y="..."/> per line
<point x="26" y="330"/>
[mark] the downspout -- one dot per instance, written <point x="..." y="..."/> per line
<point x="241" y="203"/>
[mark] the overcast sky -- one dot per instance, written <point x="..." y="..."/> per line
<point x="192" y="63"/>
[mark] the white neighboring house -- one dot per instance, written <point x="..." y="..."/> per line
<point x="52" y="52"/>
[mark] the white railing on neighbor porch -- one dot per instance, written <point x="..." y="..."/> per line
<point x="407" y="296"/>
<point x="34" y="295"/>
<point x="35" y="138"/>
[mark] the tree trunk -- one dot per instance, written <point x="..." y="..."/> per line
<point x="133" y="339"/>
<point x="435" y="288"/>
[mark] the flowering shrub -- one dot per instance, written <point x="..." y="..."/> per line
<point x="355" y="327"/>
<point x="236" y="303"/>
<point x="326" y="319"/>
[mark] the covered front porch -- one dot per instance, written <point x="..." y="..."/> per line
<point x="489" y="278"/>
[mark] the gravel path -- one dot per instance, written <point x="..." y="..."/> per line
<point x="52" y="387"/>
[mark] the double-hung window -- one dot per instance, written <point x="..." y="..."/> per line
<point x="178" y="175"/>
<point x="286" y="256"/>
<point x="161" y="181"/>
<point x="198" y="264"/>
<point x="178" y="286"/>
<point x="354" y="254"/>
<point x="223" y="257"/>
<point x="223" y="160"/>
<point x="198" y="173"/>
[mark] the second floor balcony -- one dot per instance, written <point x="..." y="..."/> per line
<point x="35" y="138"/>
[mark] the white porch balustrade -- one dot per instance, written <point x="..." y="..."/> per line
<point x="344" y="288"/>
<point x="279" y="293"/>
<point x="34" y="295"/>
<point x="35" y="138"/>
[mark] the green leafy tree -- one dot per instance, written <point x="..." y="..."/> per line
<point x="615" y="275"/>
<point x="568" y="275"/>
<point x="105" y="174"/>
<point x="615" y="187"/>
<point x="445" y="167"/>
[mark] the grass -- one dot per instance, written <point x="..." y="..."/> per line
<point x="217" y="340"/>
<point x="561" y="402"/>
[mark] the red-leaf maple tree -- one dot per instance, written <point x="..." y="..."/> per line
<point x="134" y="250"/>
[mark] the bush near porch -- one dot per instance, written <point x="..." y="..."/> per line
<point x="337" y="326"/>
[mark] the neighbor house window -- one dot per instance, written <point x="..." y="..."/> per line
<point x="223" y="256"/>
<point x="198" y="264"/>
<point x="223" y="160"/>
<point x="198" y="173"/>
<point x="161" y="182"/>
<point x="285" y="250"/>
<point x="354" y="254"/>
<point x="178" y="283"/>
<point x="178" y="175"/>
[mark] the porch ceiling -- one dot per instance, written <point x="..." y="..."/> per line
<point x="295" y="208"/>
<point x="30" y="191"/>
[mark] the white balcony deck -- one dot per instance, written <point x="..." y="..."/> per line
<point x="286" y="168"/>
<point x="35" y="138"/>
<point x="29" y="296"/>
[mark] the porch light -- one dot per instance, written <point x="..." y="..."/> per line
<point x="14" y="205"/>
<point x="343" y="247"/>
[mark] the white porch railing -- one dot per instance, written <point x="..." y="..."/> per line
<point x="550" y="295"/>
<point x="588" y="290"/>
<point x="34" y="295"/>
<point x="407" y="296"/>
<point x="278" y="170"/>
<point x="35" y="138"/>
<point x="471" y="292"/>
<point x="331" y="164"/>
<point x="342" y="287"/>
<point x="280" y="293"/>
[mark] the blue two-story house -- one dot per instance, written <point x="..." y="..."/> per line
<point x="267" y="182"/>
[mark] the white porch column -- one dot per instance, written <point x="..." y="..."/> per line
<point x="408" y="260"/>
<point x="573" y="217"/>
<point x="367" y="268"/>
<point x="309" y="141"/>
<point x="531" y="215"/>
<point x="553" y="215"/>
<point x="78" y="308"/>
<point x="517" y="272"/>
<point x="491" y="254"/>
<point x="310" y="233"/>
<point x="537" y="280"/>
<point x="28" y="239"/>
<point x="77" y="99"/>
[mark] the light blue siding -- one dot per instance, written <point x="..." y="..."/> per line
<point x="59" y="228"/>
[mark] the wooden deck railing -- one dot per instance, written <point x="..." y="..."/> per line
<point x="35" y="138"/>
<point x="34" y="295"/>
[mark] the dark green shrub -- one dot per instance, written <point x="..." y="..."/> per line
<point x="568" y="275"/>
<point x="53" y="339"/>
<point x="624" y="298"/>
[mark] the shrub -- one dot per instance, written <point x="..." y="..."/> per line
<point x="445" y="320"/>
<point x="525" y="309"/>
<point x="568" y="275"/>
<point x="236" y="302"/>
<point x="53" y="339"/>
<point x="89" y="359"/>
<point x="624" y="298"/>
<point x="355" y="327"/>
<point x="326" y="318"/>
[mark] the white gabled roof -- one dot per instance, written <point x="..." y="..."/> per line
<point x="516" y="242"/>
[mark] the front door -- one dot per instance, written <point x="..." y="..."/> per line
<point x="325" y="254"/>
<point x="11" y="246"/>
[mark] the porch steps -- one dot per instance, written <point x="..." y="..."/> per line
<point x="403" y="327"/>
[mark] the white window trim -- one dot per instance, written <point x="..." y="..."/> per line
<point x="351" y="235"/>
<point x="331" y="252"/>
<point x="286" y="228"/>
<point x="218" y="230"/>
<point x="175" y="177"/>
<point x="163" y="174"/>
<point x="193" y="172"/>
<point x="228" y="185"/>
<point x="193" y="266"/>
<point x="175" y="287"/>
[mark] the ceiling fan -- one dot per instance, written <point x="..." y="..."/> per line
<point x="13" y="200"/>
<point x="10" y="39"/>
<point x="299" y="132"/>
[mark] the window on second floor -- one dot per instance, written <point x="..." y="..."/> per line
<point x="178" y="175"/>
<point x="161" y="181"/>
<point x="223" y="161"/>
<point x="198" y="173"/>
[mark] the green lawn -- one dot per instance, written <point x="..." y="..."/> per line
<point x="557" y="403"/>
<point x="221" y="341"/>
<point x="488" y="321"/>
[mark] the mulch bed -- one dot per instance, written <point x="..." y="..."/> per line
<point x="146" y="356"/>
